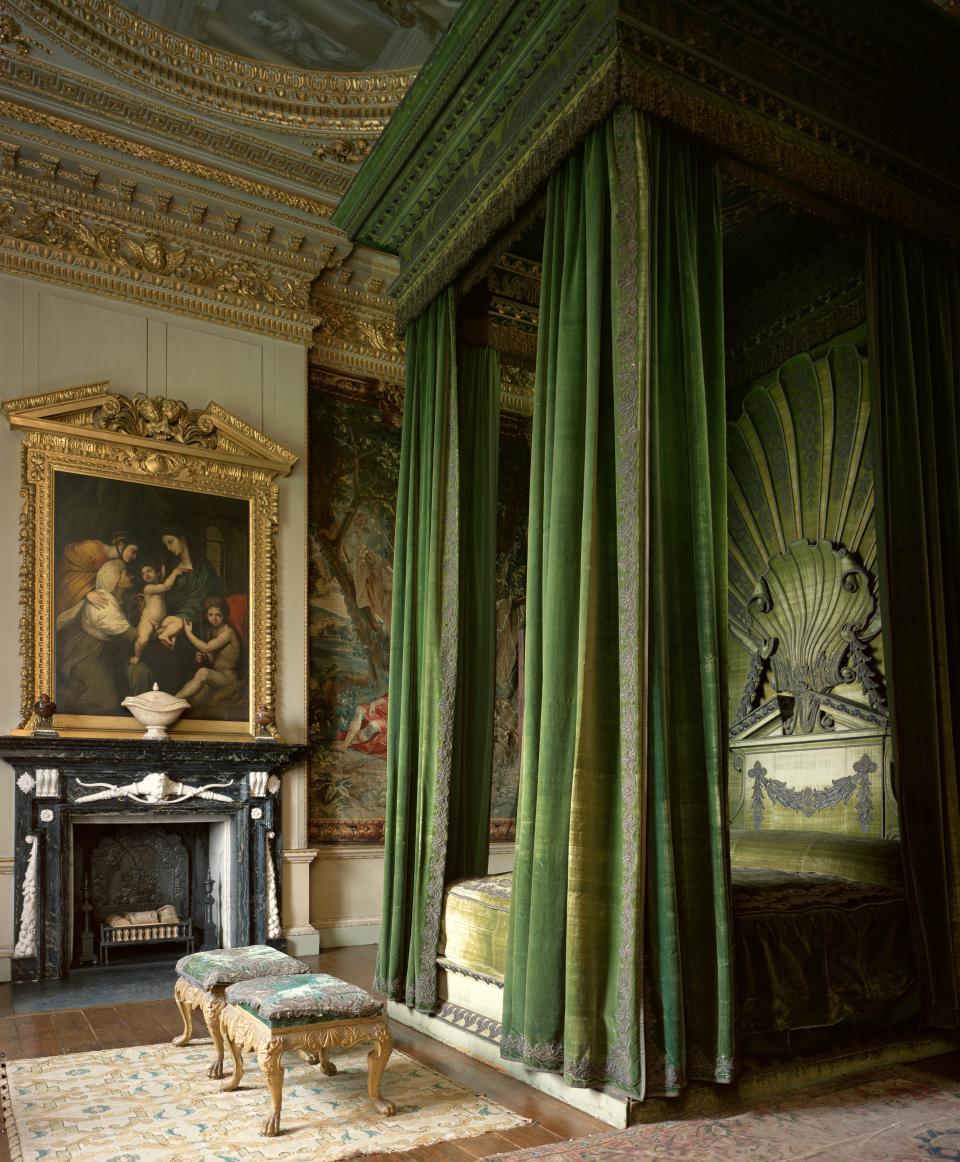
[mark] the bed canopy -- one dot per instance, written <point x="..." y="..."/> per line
<point x="615" y="119"/>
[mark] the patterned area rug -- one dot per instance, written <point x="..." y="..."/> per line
<point x="902" y="1115"/>
<point x="156" y="1102"/>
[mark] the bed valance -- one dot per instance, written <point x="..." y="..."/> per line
<point x="848" y="106"/>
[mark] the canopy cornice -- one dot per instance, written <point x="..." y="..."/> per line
<point x="855" y="105"/>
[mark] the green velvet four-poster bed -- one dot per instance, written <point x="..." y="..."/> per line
<point x="628" y="950"/>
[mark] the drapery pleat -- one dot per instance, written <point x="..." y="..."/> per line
<point x="435" y="824"/>
<point x="479" y="396"/>
<point x="620" y="818"/>
<point x="915" y="345"/>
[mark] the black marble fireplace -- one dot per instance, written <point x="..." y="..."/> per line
<point x="224" y="798"/>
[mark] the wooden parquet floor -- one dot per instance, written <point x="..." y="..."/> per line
<point x="151" y="1022"/>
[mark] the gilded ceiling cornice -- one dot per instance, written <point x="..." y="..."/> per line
<point x="152" y="187"/>
<point x="140" y="52"/>
<point x="67" y="127"/>
<point x="80" y="246"/>
<point x="252" y="152"/>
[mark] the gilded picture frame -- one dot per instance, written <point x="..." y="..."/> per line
<point x="148" y="554"/>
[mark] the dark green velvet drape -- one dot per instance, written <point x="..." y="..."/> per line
<point x="437" y="811"/>
<point x="915" y="345"/>
<point x="619" y="956"/>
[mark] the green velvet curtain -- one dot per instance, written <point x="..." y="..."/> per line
<point x="618" y="967"/>
<point x="437" y="813"/>
<point x="915" y="345"/>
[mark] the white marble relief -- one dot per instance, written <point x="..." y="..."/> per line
<point x="26" y="783"/>
<point x="273" y="910"/>
<point x="258" y="783"/>
<point x="27" y="938"/>
<point x="48" y="783"/>
<point x="154" y="788"/>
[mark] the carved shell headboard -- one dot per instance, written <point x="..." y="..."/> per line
<point x="802" y="546"/>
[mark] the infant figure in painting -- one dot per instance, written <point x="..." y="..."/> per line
<point x="153" y="616"/>
<point x="219" y="657"/>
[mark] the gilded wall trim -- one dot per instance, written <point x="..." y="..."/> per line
<point x="149" y="262"/>
<point x="130" y="48"/>
<point x="69" y="269"/>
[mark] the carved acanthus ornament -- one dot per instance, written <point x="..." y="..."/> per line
<point x="12" y="35"/>
<point x="346" y="150"/>
<point x="157" y="418"/>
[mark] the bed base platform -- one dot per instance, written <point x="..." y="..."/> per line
<point x="450" y="1030"/>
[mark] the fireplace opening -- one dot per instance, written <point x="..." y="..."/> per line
<point x="145" y="892"/>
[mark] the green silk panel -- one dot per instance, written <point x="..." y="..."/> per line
<point x="915" y="342"/>
<point x="606" y="863"/>
<point x="428" y="812"/>
<point x="690" y="994"/>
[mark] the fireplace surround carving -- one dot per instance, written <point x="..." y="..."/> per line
<point x="63" y="782"/>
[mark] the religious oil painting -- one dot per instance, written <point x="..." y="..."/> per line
<point x="150" y="585"/>
<point x="354" y="463"/>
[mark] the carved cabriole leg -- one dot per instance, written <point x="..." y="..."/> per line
<point x="377" y="1060"/>
<point x="326" y="1065"/>
<point x="269" y="1057"/>
<point x="212" y="1008"/>
<point x="181" y="994"/>
<point x="233" y="1081"/>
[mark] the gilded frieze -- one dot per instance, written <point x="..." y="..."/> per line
<point x="148" y="252"/>
<point x="356" y="333"/>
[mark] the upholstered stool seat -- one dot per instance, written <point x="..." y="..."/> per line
<point x="203" y="977"/>
<point x="314" y="1013"/>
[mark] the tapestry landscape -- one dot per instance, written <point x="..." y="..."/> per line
<point x="354" y="465"/>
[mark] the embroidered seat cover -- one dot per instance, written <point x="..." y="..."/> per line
<point x="223" y="966"/>
<point x="289" y="1000"/>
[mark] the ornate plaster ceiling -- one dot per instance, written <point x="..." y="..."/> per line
<point x="199" y="175"/>
<point x="338" y="35"/>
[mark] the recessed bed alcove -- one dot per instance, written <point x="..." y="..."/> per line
<point x="202" y="807"/>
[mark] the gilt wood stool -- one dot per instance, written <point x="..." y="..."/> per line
<point x="203" y="977"/>
<point x="314" y="1014"/>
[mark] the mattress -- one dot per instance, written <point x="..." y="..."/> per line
<point x="476" y="918"/>
<point x="812" y="950"/>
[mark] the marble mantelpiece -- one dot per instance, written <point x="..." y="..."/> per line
<point x="64" y="780"/>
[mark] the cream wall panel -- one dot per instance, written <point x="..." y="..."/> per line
<point x="198" y="362"/>
<point x="84" y="341"/>
<point x="346" y="889"/>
